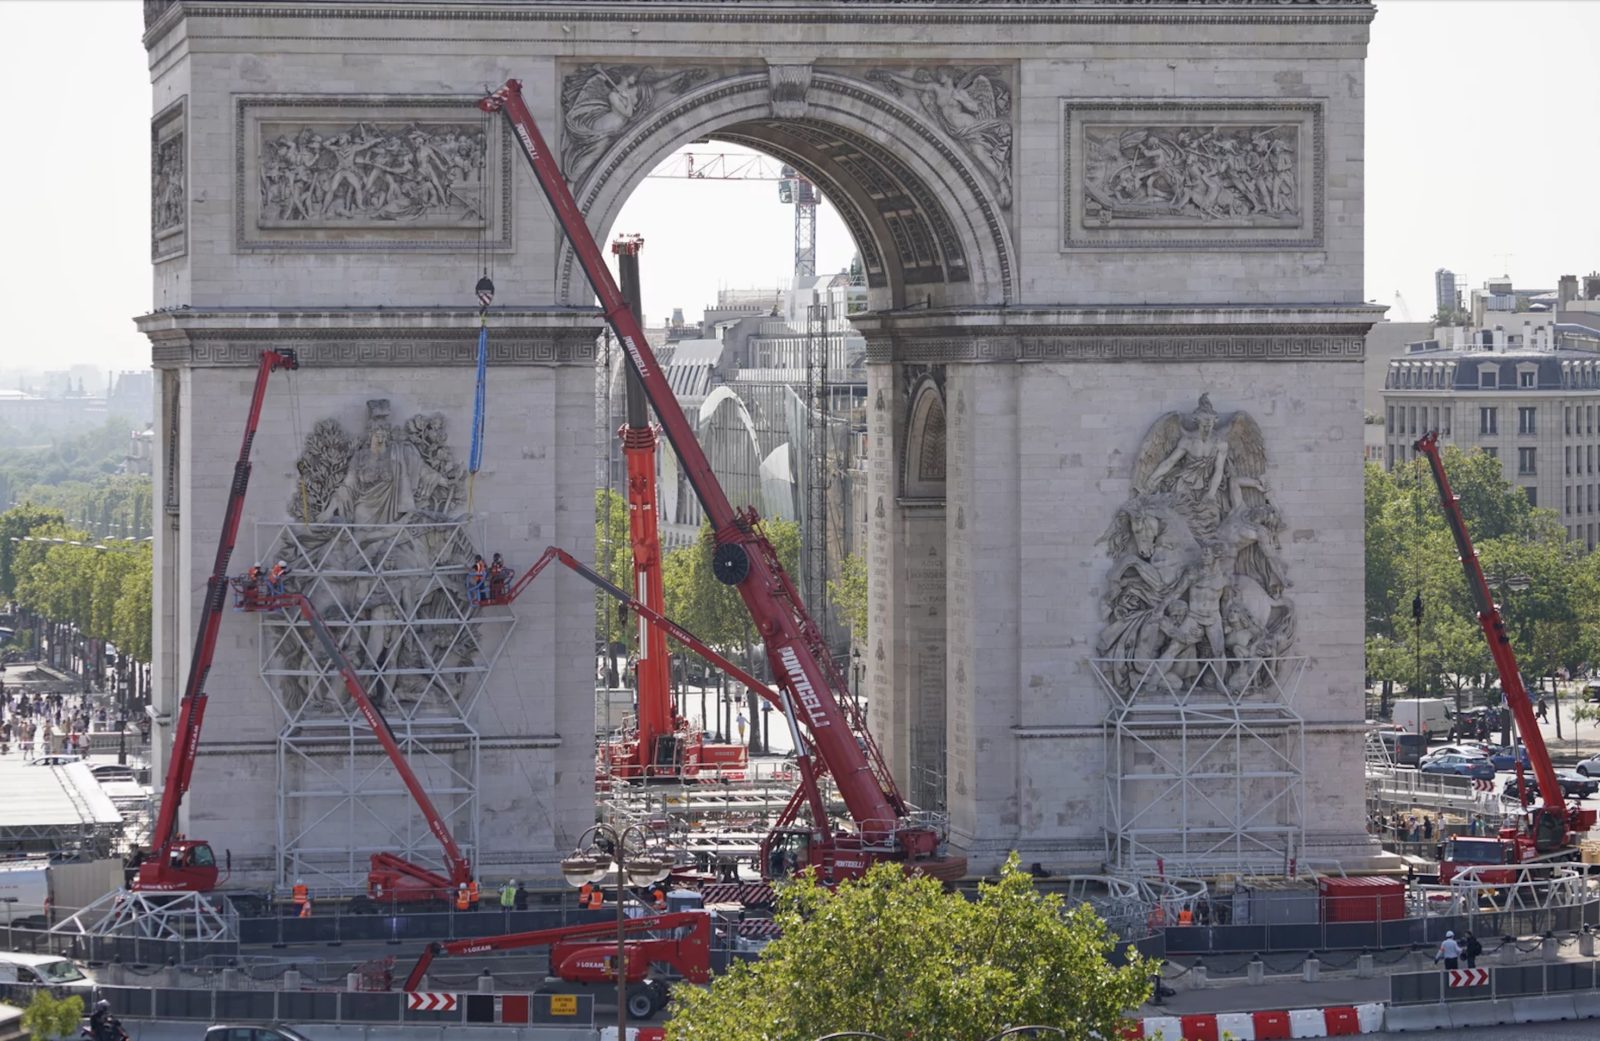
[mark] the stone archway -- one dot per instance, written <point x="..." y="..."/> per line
<point x="930" y="223"/>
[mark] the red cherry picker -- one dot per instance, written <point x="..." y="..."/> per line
<point x="883" y="825"/>
<point x="1551" y="829"/>
<point x="177" y="864"/>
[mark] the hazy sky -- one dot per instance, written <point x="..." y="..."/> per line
<point x="1481" y="157"/>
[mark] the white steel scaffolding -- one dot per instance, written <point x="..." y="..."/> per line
<point x="394" y="597"/>
<point x="1205" y="766"/>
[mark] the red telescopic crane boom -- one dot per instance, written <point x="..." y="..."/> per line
<point x="743" y="558"/>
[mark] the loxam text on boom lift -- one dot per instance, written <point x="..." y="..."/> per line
<point x="177" y="864"/>
<point x="885" y="826"/>
<point x="390" y="878"/>
<point x="583" y="957"/>
<point x="1550" y="831"/>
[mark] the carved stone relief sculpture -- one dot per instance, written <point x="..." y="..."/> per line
<point x="429" y="173"/>
<point x="380" y="548"/>
<point x="1196" y="590"/>
<point x="972" y="105"/>
<point x="599" y="102"/>
<point x="169" y="183"/>
<point x="1226" y="174"/>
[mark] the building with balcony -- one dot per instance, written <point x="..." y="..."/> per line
<point x="1531" y="398"/>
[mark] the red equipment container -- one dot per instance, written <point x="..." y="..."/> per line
<point x="1362" y="899"/>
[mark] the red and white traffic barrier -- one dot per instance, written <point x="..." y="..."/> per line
<point x="1334" y="1021"/>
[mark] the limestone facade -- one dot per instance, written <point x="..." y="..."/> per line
<point x="1073" y="218"/>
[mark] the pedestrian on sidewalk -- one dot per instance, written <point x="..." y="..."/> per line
<point x="1449" y="952"/>
<point x="1471" y="947"/>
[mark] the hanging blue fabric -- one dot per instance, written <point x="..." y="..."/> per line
<point x="476" y="458"/>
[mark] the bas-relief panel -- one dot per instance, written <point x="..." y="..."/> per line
<point x="169" y="184"/>
<point x="334" y="173"/>
<point x="1193" y="175"/>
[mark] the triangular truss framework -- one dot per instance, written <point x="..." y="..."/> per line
<point x="1203" y="775"/>
<point x="154" y="916"/>
<point x="394" y="598"/>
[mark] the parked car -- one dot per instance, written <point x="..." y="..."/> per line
<point x="112" y="772"/>
<point x="1573" y="786"/>
<point x="1589" y="767"/>
<point x="1591" y="691"/>
<point x="1471" y="749"/>
<point x="252" y="1032"/>
<point x="1506" y="759"/>
<point x="54" y="759"/>
<point x="1476" y="767"/>
<point x="60" y="974"/>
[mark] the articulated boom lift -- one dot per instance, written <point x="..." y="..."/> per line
<point x="583" y="956"/>
<point x="885" y="827"/>
<point x="1552" y="827"/>
<point x="176" y="864"/>
<point x="390" y="877"/>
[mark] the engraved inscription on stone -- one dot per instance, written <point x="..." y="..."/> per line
<point x="972" y="105"/>
<point x="169" y="194"/>
<point x="1192" y="175"/>
<point x="1196" y="594"/>
<point x="599" y="102"/>
<point x="333" y="172"/>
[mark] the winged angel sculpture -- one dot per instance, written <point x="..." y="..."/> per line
<point x="600" y="101"/>
<point x="1196" y="574"/>
<point x="973" y="106"/>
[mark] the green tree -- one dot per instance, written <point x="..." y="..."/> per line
<point x="47" y="1018"/>
<point x="848" y="593"/>
<point x="713" y="611"/>
<point x="130" y="616"/>
<point x="19" y="522"/>
<point x="901" y="957"/>
<point x="613" y="547"/>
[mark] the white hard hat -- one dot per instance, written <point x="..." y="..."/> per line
<point x="299" y="881"/>
<point x="282" y="564"/>
<point x="512" y="882"/>
<point x="1448" y="935"/>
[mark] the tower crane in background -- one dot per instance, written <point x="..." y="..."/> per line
<point x="794" y="189"/>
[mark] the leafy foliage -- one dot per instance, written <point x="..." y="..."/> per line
<point x="48" y="1017"/>
<point x="901" y="957"/>
<point x="849" y="595"/>
<point x="1545" y="586"/>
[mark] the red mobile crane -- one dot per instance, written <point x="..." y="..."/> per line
<point x="885" y="825"/>
<point x="1552" y="827"/>
<point x="390" y="877"/>
<point x="660" y="748"/>
<point x="178" y="864"/>
<point x="584" y="956"/>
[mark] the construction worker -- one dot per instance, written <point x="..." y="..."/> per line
<point x="302" y="895"/>
<point x="305" y="909"/>
<point x="252" y="584"/>
<point x="659" y="898"/>
<point x="462" y="900"/>
<point x="597" y="898"/>
<point x="499" y="577"/>
<point x="275" y="578"/>
<point x="478" y="580"/>
<point x="508" y="895"/>
<point x="1185" y="916"/>
<point x="583" y="895"/>
<point x="472" y="894"/>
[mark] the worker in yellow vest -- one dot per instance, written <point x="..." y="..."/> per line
<point x="462" y="900"/>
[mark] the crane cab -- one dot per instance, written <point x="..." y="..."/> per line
<point x="187" y="866"/>
<point x="787" y="851"/>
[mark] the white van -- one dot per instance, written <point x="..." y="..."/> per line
<point x="51" y="970"/>
<point x="1429" y="717"/>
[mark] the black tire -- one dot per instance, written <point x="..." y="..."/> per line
<point x="1584" y="770"/>
<point x="641" y="1003"/>
<point x="662" y="992"/>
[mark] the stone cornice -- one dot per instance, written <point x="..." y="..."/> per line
<point x="1112" y="334"/>
<point x="355" y="337"/>
<point x="162" y="15"/>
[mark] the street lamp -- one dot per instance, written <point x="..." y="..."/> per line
<point x="588" y="864"/>
<point x="855" y="667"/>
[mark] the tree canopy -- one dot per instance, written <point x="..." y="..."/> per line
<point x="1543" y="582"/>
<point x="903" y="958"/>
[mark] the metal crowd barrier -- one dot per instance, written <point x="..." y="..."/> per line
<point x="1511" y="981"/>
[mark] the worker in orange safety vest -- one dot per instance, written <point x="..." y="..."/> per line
<point x="479" y="584"/>
<point x="1185" y="916"/>
<point x="659" y="897"/>
<point x="462" y="901"/>
<point x="597" y="899"/>
<point x="472" y="894"/>
<point x="275" y="578"/>
<point x="583" y="894"/>
<point x="301" y="893"/>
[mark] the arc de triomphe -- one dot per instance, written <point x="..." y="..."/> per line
<point x="1114" y="253"/>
